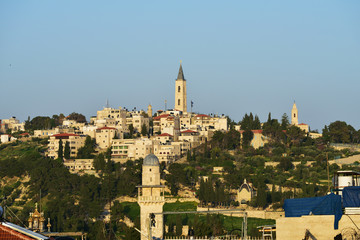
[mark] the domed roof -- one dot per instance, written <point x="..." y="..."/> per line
<point x="151" y="160"/>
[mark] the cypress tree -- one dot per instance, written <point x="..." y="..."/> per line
<point x="60" y="151"/>
<point x="179" y="225"/>
<point x="273" y="194"/>
<point x="67" y="150"/>
<point x="144" y="130"/>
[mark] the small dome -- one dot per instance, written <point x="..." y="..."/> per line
<point x="151" y="160"/>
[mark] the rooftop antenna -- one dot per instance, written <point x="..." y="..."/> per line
<point x="165" y="105"/>
<point x="107" y="103"/>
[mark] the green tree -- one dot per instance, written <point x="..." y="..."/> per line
<point x="284" y="121"/>
<point x="39" y="122"/>
<point x="144" y="130"/>
<point x="295" y="135"/>
<point x="285" y="164"/>
<point x="99" y="162"/>
<point x="250" y="123"/>
<point x="340" y="132"/>
<point x="87" y="150"/>
<point x="179" y="225"/>
<point x="230" y="123"/>
<point x="78" y="117"/>
<point x="131" y="130"/>
<point x="67" y="150"/>
<point x="60" y="151"/>
<point x="272" y="129"/>
<point x="261" y="198"/>
<point x="247" y="136"/>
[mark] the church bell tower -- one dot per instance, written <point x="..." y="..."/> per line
<point x="180" y="92"/>
<point x="294" y="115"/>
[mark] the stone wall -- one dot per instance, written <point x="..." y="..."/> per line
<point x="321" y="227"/>
<point x="250" y="213"/>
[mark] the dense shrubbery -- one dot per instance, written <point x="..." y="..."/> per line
<point x="71" y="201"/>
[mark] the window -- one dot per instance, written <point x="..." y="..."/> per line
<point x="178" y="101"/>
<point x="178" y="88"/>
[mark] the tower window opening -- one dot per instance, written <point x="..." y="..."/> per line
<point x="294" y="115"/>
<point x="178" y="101"/>
<point x="178" y="88"/>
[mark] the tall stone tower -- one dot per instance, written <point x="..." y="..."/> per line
<point x="149" y="111"/>
<point x="151" y="198"/>
<point x="294" y="115"/>
<point x="180" y="92"/>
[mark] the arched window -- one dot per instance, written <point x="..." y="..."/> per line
<point x="178" y="101"/>
<point x="178" y="88"/>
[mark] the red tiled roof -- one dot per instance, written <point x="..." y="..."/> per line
<point x="165" y="135"/>
<point x="64" y="135"/>
<point x="24" y="134"/>
<point x="8" y="233"/>
<point x="202" y="115"/>
<point x="14" y="232"/>
<point x="302" y="124"/>
<point x="103" y="128"/>
<point x="161" y="116"/>
<point x="188" y="131"/>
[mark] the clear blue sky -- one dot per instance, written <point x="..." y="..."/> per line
<point x="238" y="57"/>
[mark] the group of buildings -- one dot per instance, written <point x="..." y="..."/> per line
<point x="259" y="140"/>
<point x="134" y="134"/>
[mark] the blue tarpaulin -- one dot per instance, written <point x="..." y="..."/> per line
<point x="351" y="196"/>
<point x="326" y="205"/>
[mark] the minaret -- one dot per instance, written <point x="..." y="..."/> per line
<point x="151" y="198"/>
<point x="180" y="92"/>
<point x="294" y="115"/>
<point x="149" y="111"/>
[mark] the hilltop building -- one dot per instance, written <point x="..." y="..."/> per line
<point x="245" y="193"/>
<point x="76" y="141"/>
<point x="294" y="115"/>
<point x="295" y="119"/>
<point x="12" y="123"/>
<point x="151" y="199"/>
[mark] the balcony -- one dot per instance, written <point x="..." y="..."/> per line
<point x="151" y="199"/>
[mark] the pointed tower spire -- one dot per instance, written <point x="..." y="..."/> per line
<point x="294" y="115"/>
<point x="180" y="92"/>
<point x="181" y="74"/>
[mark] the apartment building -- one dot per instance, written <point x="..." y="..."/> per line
<point x="75" y="141"/>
